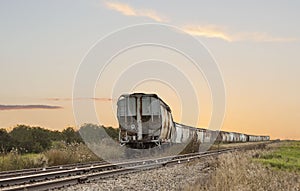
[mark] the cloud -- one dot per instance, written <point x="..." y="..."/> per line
<point x="79" y="99"/>
<point x="210" y="31"/>
<point x="130" y="11"/>
<point x="19" y="107"/>
<point x="213" y="31"/>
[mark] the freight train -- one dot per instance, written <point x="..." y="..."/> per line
<point x="145" y="121"/>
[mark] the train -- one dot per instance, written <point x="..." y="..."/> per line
<point x="146" y="121"/>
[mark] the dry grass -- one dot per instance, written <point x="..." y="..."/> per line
<point x="62" y="154"/>
<point x="16" y="161"/>
<point x="231" y="145"/>
<point x="238" y="171"/>
<point x="107" y="149"/>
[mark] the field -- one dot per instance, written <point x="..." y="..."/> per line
<point x="275" y="168"/>
<point x="285" y="157"/>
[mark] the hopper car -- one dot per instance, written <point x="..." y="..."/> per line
<point x="145" y="121"/>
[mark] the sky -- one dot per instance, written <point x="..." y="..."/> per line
<point x="255" y="44"/>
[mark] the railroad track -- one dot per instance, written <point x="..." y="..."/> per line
<point x="13" y="173"/>
<point x="61" y="176"/>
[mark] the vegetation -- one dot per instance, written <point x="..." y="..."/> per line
<point x="238" y="171"/>
<point x="30" y="147"/>
<point x="94" y="134"/>
<point x="62" y="153"/>
<point x="285" y="156"/>
<point x="16" y="161"/>
<point x="26" y="139"/>
<point x="6" y="141"/>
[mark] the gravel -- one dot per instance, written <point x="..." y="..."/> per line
<point x="174" y="177"/>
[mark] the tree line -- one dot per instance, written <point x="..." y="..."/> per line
<point x="27" y="139"/>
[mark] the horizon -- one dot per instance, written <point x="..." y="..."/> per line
<point x="75" y="128"/>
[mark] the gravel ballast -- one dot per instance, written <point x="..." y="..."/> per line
<point x="173" y="177"/>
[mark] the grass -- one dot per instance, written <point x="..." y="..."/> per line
<point x="230" y="145"/>
<point x="242" y="171"/>
<point x="60" y="153"/>
<point x="15" y="161"/>
<point x="285" y="157"/>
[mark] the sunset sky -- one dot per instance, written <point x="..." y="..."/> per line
<point x="256" y="45"/>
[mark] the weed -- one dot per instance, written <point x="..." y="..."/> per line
<point x="238" y="171"/>
<point x="15" y="161"/>
<point x="62" y="153"/>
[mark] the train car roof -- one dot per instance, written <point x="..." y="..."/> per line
<point x="148" y="95"/>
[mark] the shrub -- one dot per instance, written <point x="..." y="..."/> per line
<point x="62" y="153"/>
<point x="15" y="161"/>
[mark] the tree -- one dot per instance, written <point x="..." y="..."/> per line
<point x="6" y="142"/>
<point x="31" y="139"/>
<point x="56" y="135"/>
<point x="93" y="133"/>
<point x="71" y="136"/>
<point x="112" y="132"/>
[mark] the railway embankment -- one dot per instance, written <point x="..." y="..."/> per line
<point x="240" y="170"/>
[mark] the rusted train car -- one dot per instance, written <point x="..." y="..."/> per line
<point x="145" y="121"/>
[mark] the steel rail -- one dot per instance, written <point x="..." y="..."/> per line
<point x="7" y="174"/>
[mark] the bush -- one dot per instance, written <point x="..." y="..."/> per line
<point x="15" y="161"/>
<point x="62" y="153"/>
